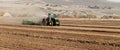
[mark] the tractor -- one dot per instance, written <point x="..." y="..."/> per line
<point x="51" y="20"/>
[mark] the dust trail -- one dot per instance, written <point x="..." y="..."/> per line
<point x="16" y="15"/>
<point x="18" y="20"/>
<point x="8" y="0"/>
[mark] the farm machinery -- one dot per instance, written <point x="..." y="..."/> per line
<point x="51" y="20"/>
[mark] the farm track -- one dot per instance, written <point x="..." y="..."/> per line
<point x="65" y="37"/>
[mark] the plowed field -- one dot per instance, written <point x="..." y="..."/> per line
<point x="71" y="35"/>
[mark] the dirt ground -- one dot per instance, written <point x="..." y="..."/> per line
<point x="71" y="35"/>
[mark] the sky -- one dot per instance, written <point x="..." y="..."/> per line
<point x="115" y="0"/>
<point x="108" y="0"/>
<point x="8" y="0"/>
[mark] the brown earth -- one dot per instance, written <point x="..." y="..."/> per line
<point x="72" y="35"/>
<point x="102" y="22"/>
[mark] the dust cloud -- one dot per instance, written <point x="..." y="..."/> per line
<point x="16" y="13"/>
<point x="16" y="18"/>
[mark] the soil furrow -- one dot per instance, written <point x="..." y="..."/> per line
<point x="69" y="40"/>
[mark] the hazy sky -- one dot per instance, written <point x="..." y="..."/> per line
<point x="108" y="0"/>
<point x="8" y="0"/>
<point x="115" y="0"/>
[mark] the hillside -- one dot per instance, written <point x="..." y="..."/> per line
<point x="98" y="8"/>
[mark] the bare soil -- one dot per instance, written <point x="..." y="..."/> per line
<point x="82" y="35"/>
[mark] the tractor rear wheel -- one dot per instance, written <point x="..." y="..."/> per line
<point x="44" y="22"/>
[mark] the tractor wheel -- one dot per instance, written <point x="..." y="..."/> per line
<point x="51" y="23"/>
<point x="43" y="22"/>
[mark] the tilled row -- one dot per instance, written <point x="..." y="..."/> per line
<point x="3" y="48"/>
<point x="91" y="42"/>
<point x="25" y="42"/>
<point x="69" y="40"/>
<point x="92" y="26"/>
<point x="92" y="22"/>
<point x="103" y="29"/>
